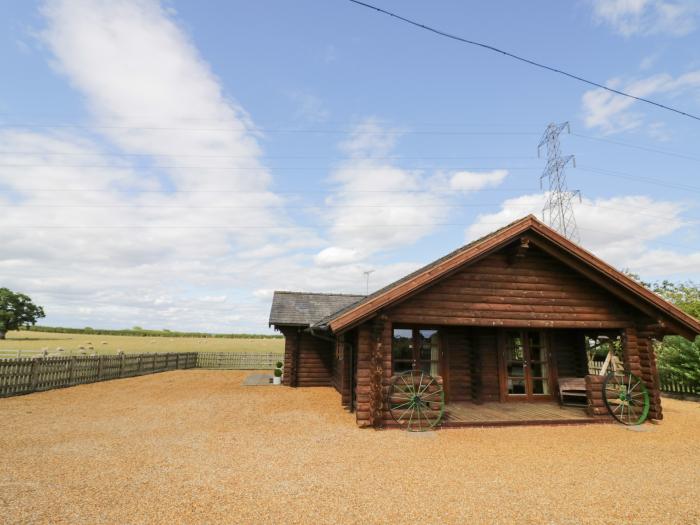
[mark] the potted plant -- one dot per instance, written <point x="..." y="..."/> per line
<point x="277" y="379"/>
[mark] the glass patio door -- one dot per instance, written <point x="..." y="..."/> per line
<point x="526" y="366"/>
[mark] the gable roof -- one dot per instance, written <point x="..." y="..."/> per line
<point x="305" y="309"/>
<point x="544" y="237"/>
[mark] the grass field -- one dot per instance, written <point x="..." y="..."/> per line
<point x="111" y="344"/>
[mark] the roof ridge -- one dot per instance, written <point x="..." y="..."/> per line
<point x="319" y="293"/>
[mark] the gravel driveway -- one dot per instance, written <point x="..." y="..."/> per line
<point x="195" y="446"/>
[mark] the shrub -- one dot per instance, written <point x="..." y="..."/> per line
<point x="279" y="364"/>
<point x="278" y="372"/>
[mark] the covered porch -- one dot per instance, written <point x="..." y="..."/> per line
<point x="506" y="376"/>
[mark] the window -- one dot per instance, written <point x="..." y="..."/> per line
<point x="402" y="350"/>
<point x="416" y="349"/>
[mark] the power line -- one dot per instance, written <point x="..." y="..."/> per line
<point x="639" y="147"/>
<point x="353" y="131"/>
<point x="253" y="168"/>
<point x="523" y="59"/>
<point x="334" y="206"/>
<point x="646" y="180"/>
<point x="284" y="228"/>
<point x="251" y="192"/>
<point x="265" y="157"/>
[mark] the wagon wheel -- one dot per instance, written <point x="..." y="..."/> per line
<point x="626" y="397"/>
<point x="416" y="401"/>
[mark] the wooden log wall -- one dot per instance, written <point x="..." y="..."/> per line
<point x="569" y="353"/>
<point x="533" y="291"/>
<point x="291" y="345"/>
<point x="486" y="343"/>
<point x="458" y="364"/>
<point x="314" y="362"/>
<point x="342" y="369"/>
<point x="347" y="344"/>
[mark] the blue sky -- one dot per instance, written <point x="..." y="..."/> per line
<point x="170" y="164"/>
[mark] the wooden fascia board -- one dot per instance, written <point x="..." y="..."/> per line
<point x="584" y="261"/>
<point x="403" y="290"/>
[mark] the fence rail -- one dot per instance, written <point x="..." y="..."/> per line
<point x="678" y="385"/>
<point x="238" y="360"/>
<point x="15" y="354"/>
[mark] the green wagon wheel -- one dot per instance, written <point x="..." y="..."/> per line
<point x="626" y="398"/>
<point x="416" y="401"/>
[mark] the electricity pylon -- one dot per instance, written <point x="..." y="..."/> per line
<point x="558" y="211"/>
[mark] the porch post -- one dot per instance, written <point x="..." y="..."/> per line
<point x="648" y="370"/>
<point x="362" y="384"/>
<point x="378" y="382"/>
<point x="594" y="396"/>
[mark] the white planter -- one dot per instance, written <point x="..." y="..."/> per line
<point x="276" y="380"/>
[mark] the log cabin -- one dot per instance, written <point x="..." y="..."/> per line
<point x="500" y="322"/>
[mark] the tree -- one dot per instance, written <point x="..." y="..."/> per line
<point x="685" y="296"/>
<point x="17" y="310"/>
<point x="678" y="357"/>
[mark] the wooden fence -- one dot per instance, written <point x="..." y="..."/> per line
<point x="12" y="354"/>
<point x="672" y="384"/>
<point x="34" y="374"/>
<point x="25" y="375"/>
<point x="238" y="360"/>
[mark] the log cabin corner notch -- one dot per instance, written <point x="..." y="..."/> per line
<point x="499" y="320"/>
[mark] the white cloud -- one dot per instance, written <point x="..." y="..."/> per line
<point x="120" y="239"/>
<point x="472" y="181"/>
<point x="619" y="230"/>
<point x="612" y="113"/>
<point x="376" y="206"/>
<point x="648" y="17"/>
<point x="335" y="256"/>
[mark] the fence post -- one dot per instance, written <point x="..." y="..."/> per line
<point x="34" y="377"/>
<point x="121" y="366"/>
<point x="99" y="368"/>
<point x="71" y="368"/>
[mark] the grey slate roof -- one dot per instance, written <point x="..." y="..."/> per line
<point x="305" y="309"/>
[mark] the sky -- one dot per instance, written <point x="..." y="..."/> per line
<point x="170" y="164"/>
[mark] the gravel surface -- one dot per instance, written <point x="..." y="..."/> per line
<point x="196" y="446"/>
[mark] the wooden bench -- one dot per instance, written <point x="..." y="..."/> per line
<point x="572" y="387"/>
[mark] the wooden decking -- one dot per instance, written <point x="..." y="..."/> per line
<point x="503" y="414"/>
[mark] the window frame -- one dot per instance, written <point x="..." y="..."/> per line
<point x="416" y="360"/>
